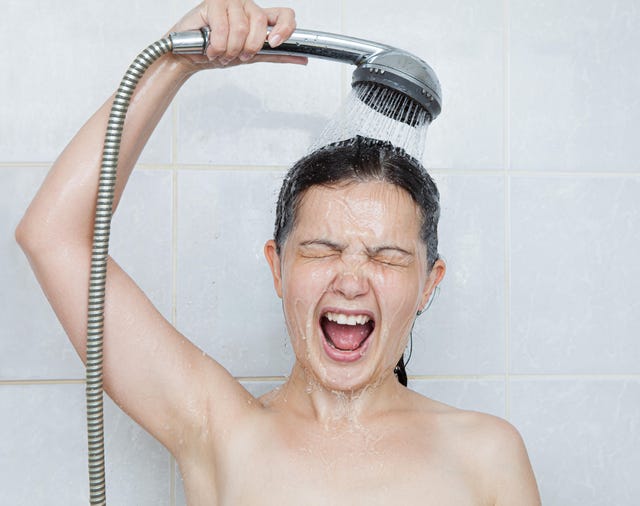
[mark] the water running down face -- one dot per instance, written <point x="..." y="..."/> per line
<point x="352" y="274"/>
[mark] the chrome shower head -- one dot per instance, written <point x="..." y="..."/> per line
<point x="405" y="74"/>
<point x="382" y="65"/>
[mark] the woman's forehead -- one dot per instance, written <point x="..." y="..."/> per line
<point x="374" y="208"/>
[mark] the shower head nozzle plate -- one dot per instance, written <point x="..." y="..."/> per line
<point x="405" y="73"/>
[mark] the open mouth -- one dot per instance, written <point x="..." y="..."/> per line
<point x="346" y="332"/>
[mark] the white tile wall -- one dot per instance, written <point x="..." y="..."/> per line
<point x="575" y="277"/>
<point x="43" y="452"/>
<point x="486" y="395"/>
<point x="537" y="162"/>
<point x="60" y="63"/>
<point x="582" y="436"/>
<point x="226" y="301"/>
<point x="138" y="468"/>
<point x="463" y="332"/>
<point x="261" y="115"/>
<point x="574" y="83"/>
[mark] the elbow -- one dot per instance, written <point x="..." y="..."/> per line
<point x="40" y="236"/>
<point x="24" y="234"/>
<point x="30" y="236"/>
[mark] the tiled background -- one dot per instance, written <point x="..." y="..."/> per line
<point x="537" y="157"/>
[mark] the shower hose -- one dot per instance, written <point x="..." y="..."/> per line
<point x="184" y="42"/>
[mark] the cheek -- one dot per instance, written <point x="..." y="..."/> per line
<point x="304" y="281"/>
<point x="399" y="296"/>
<point x="303" y="287"/>
<point x="397" y="289"/>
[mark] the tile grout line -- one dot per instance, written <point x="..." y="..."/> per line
<point x="420" y="377"/>
<point x="434" y="170"/>
<point x="213" y="168"/>
<point x="172" y="480"/>
<point x="260" y="379"/>
<point x="19" y="382"/>
<point x="528" y="377"/>
<point x="174" y="314"/>
<point x="174" y="260"/>
<point x="507" y="204"/>
<point x="174" y="247"/>
<point x="174" y="165"/>
<point x="344" y="88"/>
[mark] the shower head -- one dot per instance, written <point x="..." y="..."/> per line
<point x="381" y="65"/>
<point x="405" y="74"/>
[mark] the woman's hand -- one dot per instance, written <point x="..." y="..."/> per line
<point x="238" y="32"/>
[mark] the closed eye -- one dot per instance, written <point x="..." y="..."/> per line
<point x="394" y="262"/>
<point x="392" y="256"/>
<point x="319" y="249"/>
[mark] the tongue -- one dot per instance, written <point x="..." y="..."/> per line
<point x="346" y="337"/>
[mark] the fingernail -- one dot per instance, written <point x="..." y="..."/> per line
<point x="245" y="56"/>
<point x="275" y="40"/>
<point x="224" y="61"/>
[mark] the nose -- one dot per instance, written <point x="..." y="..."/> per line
<point x="351" y="282"/>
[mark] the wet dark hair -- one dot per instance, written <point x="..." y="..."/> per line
<point x="361" y="159"/>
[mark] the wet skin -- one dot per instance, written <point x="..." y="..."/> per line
<point x="354" y="250"/>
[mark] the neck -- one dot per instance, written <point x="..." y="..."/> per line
<point x="348" y="408"/>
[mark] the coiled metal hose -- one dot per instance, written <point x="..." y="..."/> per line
<point x="99" y="255"/>
<point x="191" y="42"/>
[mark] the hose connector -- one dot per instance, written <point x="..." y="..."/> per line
<point x="191" y="41"/>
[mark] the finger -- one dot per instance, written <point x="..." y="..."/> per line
<point x="283" y="21"/>
<point x="217" y="19"/>
<point x="238" y="31"/>
<point x="257" y="31"/>
<point x="273" y="58"/>
<point x="201" y="62"/>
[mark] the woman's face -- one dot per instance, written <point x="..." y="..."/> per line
<point x="352" y="275"/>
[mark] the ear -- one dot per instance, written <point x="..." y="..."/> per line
<point x="433" y="280"/>
<point x="273" y="259"/>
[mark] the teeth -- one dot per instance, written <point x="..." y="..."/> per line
<point x="344" y="319"/>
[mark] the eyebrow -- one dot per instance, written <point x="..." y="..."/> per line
<point x="370" y="251"/>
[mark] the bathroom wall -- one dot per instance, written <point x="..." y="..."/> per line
<point x="536" y="155"/>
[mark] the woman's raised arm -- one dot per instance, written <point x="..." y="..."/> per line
<point x="155" y="374"/>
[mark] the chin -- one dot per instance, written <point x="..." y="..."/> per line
<point x="343" y="356"/>
<point x="350" y="378"/>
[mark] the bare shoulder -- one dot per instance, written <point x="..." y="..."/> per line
<point x="505" y="462"/>
<point x="491" y="448"/>
<point x="492" y="437"/>
<point x="488" y="434"/>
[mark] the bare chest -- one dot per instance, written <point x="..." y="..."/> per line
<point x="328" y="469"/>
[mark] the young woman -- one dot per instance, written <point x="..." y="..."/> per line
<point x="354" y="259"/>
